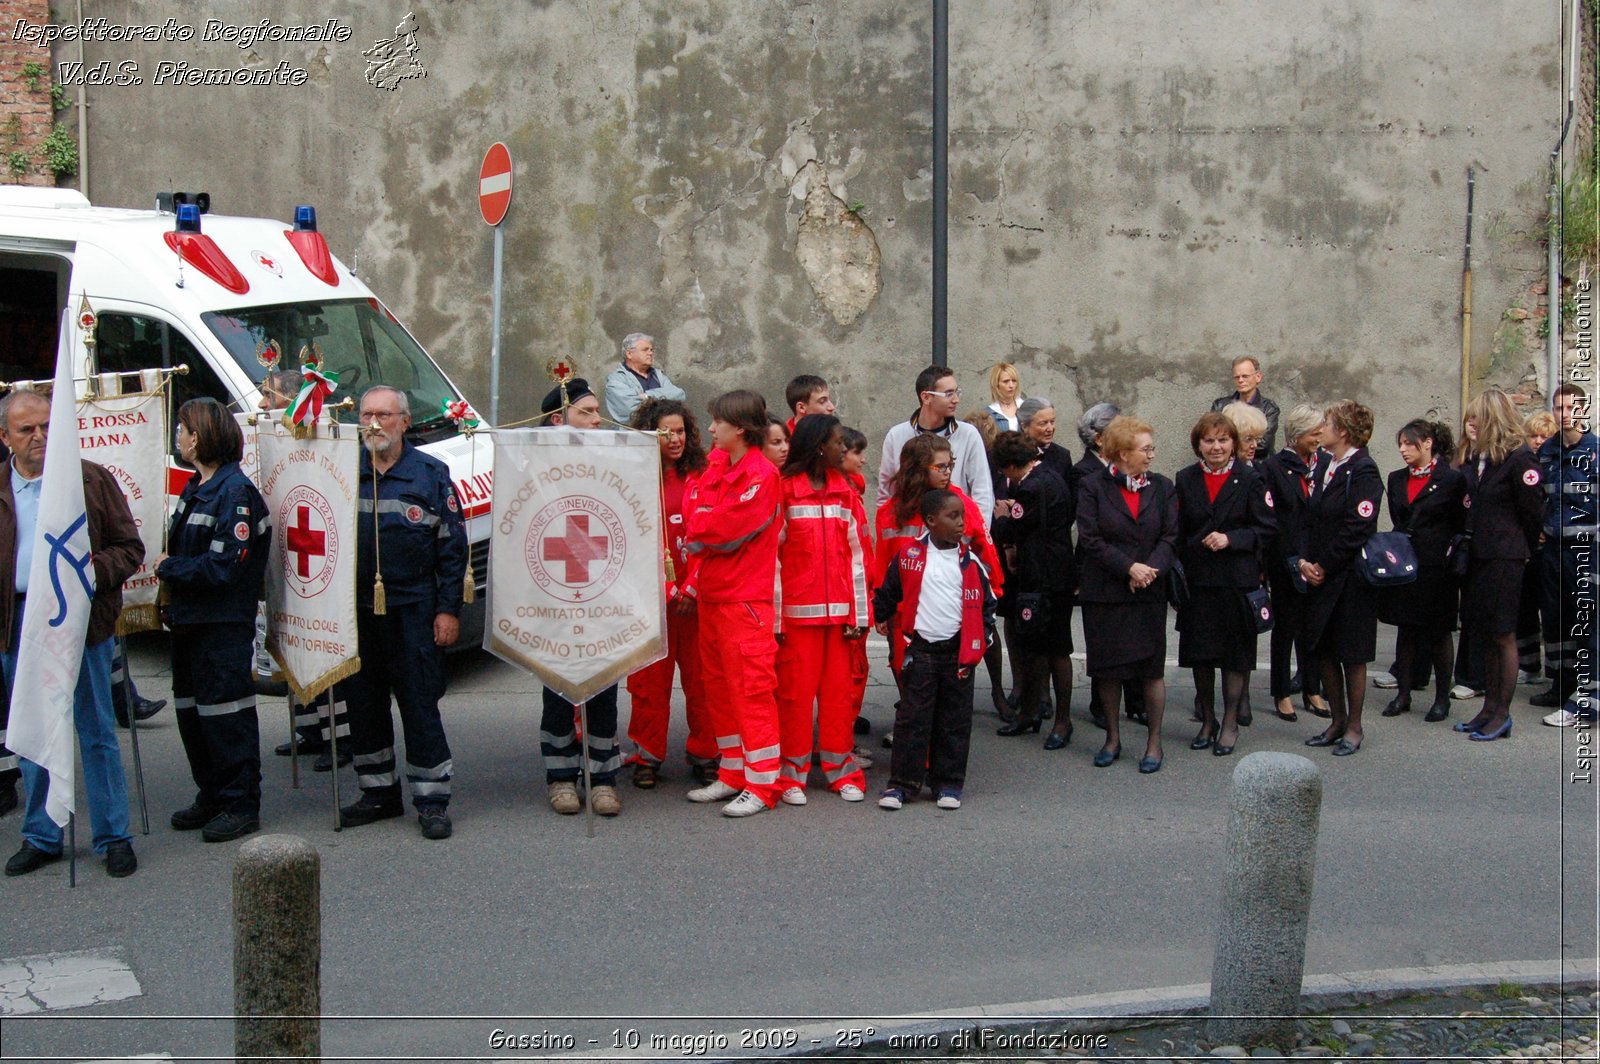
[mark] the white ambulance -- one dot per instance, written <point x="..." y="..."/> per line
<point x="177" y="284"/>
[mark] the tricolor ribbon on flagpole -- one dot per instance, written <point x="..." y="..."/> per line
<point x="317" y="385"/>
<point x="460" y="411"/>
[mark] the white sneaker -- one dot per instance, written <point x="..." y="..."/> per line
<point x="851" y="793"/>
<point x="1461" y="692"/>
<point x="949" y="798"/>
<point x="792" y="796"/>
<point x="892" y="798"/>
<point x="715" y="791"/>
<point x="1563" y="718"/>
<point x="747" y="804"/>
<point x="1524" y="676"/>
<point x="1384" y="680"/>
<point x="863" y="759"/>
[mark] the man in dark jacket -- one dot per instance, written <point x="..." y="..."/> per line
<point x="117" y="552"/>
<point x="1247" y="389"/>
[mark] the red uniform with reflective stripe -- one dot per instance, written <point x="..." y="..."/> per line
<point x="822" y="565"/>
<point x="732" y="525"/>
<point x="651" y="687"/>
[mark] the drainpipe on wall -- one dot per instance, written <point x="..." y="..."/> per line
<point x="83" y="117"/>
<point x="1553" y="368"/>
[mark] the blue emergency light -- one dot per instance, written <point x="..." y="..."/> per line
<point x="188" y="218"/>
<point x="305" y="219"/>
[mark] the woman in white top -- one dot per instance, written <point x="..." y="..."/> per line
<point x="1005" y="388"/>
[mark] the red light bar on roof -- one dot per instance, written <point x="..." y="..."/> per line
<point x="313" y="251"/>
<point x="201" y="252"/>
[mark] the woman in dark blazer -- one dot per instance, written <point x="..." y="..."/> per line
<point x="1425" y="503"/>
<point x="1035" y="523"/>
<point x="1225" y="521"/>
<point x="1128" y="526"/>
<point x="1288" y="476"/>
<point x="1504" y="511"/>
<point x="1341" y="609"/>
<point x="1037" y="416"/>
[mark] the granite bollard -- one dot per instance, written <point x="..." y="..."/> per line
<point x="1273" y="813"/>
<point x="277" y="949"/>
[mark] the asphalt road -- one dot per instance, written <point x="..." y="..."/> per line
<point x="1054" y="879"/>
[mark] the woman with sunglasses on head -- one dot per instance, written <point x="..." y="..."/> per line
<point x="1505" y="511"/>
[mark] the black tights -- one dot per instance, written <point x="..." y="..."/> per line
<point x="1234" y="686"/>
<point x="1344" y="685"/>
<point x="1441" y="651"/>
<point x="1499" y="652"/>
<point x="1107" y="694"/>
<point x="1035" y="673"/>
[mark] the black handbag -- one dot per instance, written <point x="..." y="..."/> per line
<point x="1458" y="555"/>
<point x="1260" y="603"/>
<point x="1033" y="614"/>
<point x="1177" y="585"/>
<point x="1388" y="560"/>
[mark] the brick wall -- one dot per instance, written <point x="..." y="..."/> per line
<point x="25" y="114"/>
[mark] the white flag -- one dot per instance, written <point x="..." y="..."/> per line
<point x="55" y="618"/>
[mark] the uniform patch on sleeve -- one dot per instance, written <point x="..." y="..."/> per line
<point x="1365" y="508"/>
<point x="241" y="532"/>
<point x="450" y="501"/>
<point x="1530" y="477"/>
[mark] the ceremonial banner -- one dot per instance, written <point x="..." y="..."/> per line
<point x="126" y="431"/>
<point x="310" y="488"/>
<point x="576" y="572"/>
<point x="55" y="617"/>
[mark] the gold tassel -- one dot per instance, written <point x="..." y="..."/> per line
<point x="380" y="600"/>
<point x="469" y="590"/>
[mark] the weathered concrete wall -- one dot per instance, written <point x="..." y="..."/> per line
<point x="1138" y="192"/>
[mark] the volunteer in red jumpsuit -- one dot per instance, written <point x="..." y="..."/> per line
<point x="823" y="610"/>
<point x="683" y="458"/>
<point x="732" y="520"/>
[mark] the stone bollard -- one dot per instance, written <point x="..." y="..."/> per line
<point x="277" y="949"/>
<point x="1260" y="958"/>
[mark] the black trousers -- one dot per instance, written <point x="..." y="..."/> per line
<point x="933" y="726"/>
<point x="563" y="750"/>
<point x="214" y="694"/>
<point x="399" y="659"/>
<point x="1289" y="640"/>
<point x="1567" y="592"/>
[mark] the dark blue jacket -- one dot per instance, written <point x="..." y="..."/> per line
<point x="423" y="544"/>
<point x="217" y="550"/>
<point x="1571" y="479"/>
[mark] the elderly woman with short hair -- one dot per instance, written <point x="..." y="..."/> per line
<point x="1289" y="479"/>
<point x="1037" y="417"/>
<point x="1251" y="424"/>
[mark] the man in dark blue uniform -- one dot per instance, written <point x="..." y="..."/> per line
<point x="1566" y="559"/>
<point x="417" y="562"/>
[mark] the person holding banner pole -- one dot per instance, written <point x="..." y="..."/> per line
<point x="733" y="521"/>
<point x="411" y="561"/>
<point x="115" y="554"/>
<point x="559" y="743"/>
<point x="683" y="458"/>
<point x="213" y="572"/>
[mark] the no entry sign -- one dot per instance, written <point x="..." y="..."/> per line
<point x="494" y="183"/>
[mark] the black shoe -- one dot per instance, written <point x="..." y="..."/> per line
<point x="283" y="750"/>
<point x="193" y="818"/>
<point x="225" y="827"/>
<point x="1327" y="738"/>
<point x="120" y="861"/>
<point x="1047" y="709"/>
<point x="1295" y="683"/>
<point x="1148" y="765"/>
<point x="1245" y="716"/>
<point x="1106" y="756"/>
<point x="1218" y="750"/>
<point x="1546" y="699"/>
<point x="1204" y="739"/>
<point x="8" y="798"/>
<point x="324" y="761"/>
<point x="434" y="822"/>
<point x="1056" y="740"/>
<point x="1020" y="726"/>
<point x="370" y="810"/>
<point x="863" y="726"/>
<point x="145" y="708"/>
<point x="29" y="859"/>
<point x="704" y="775"/>
<point x="1397" y="705"/>
<point x="1438" y="711"/>
<point x="1098" y="718"/>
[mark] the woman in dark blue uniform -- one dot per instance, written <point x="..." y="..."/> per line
<point x="1341" y="609"/>
<point x="1288" y="476"/>
<point x="1128" y="526"/>
<point x="212" y="572"/>
<point x="1505" y="504"/>
<point x="1425" y="503"/>
<point x="1036" y="522"/>
<point x="1225" y="520"/>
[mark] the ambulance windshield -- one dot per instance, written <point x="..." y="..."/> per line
<point x="358" y="339"/>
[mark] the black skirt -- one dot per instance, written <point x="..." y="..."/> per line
<point x="1430" y="601"/>
<point x="1125" y="640"/>
<point x="1215" y="628"/>
<point x="1054" y="639"/>
<point x="1493" y="593"/>
<point x="1342" y="620"/>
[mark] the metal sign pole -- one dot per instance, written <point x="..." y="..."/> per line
<point x="494" y="335"/>
<point x="588" y="789"/>
<point x="133" y="735"/>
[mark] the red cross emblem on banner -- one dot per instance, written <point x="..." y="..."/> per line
<point x="576" y="547"/>
<point x="305" y="542"/>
